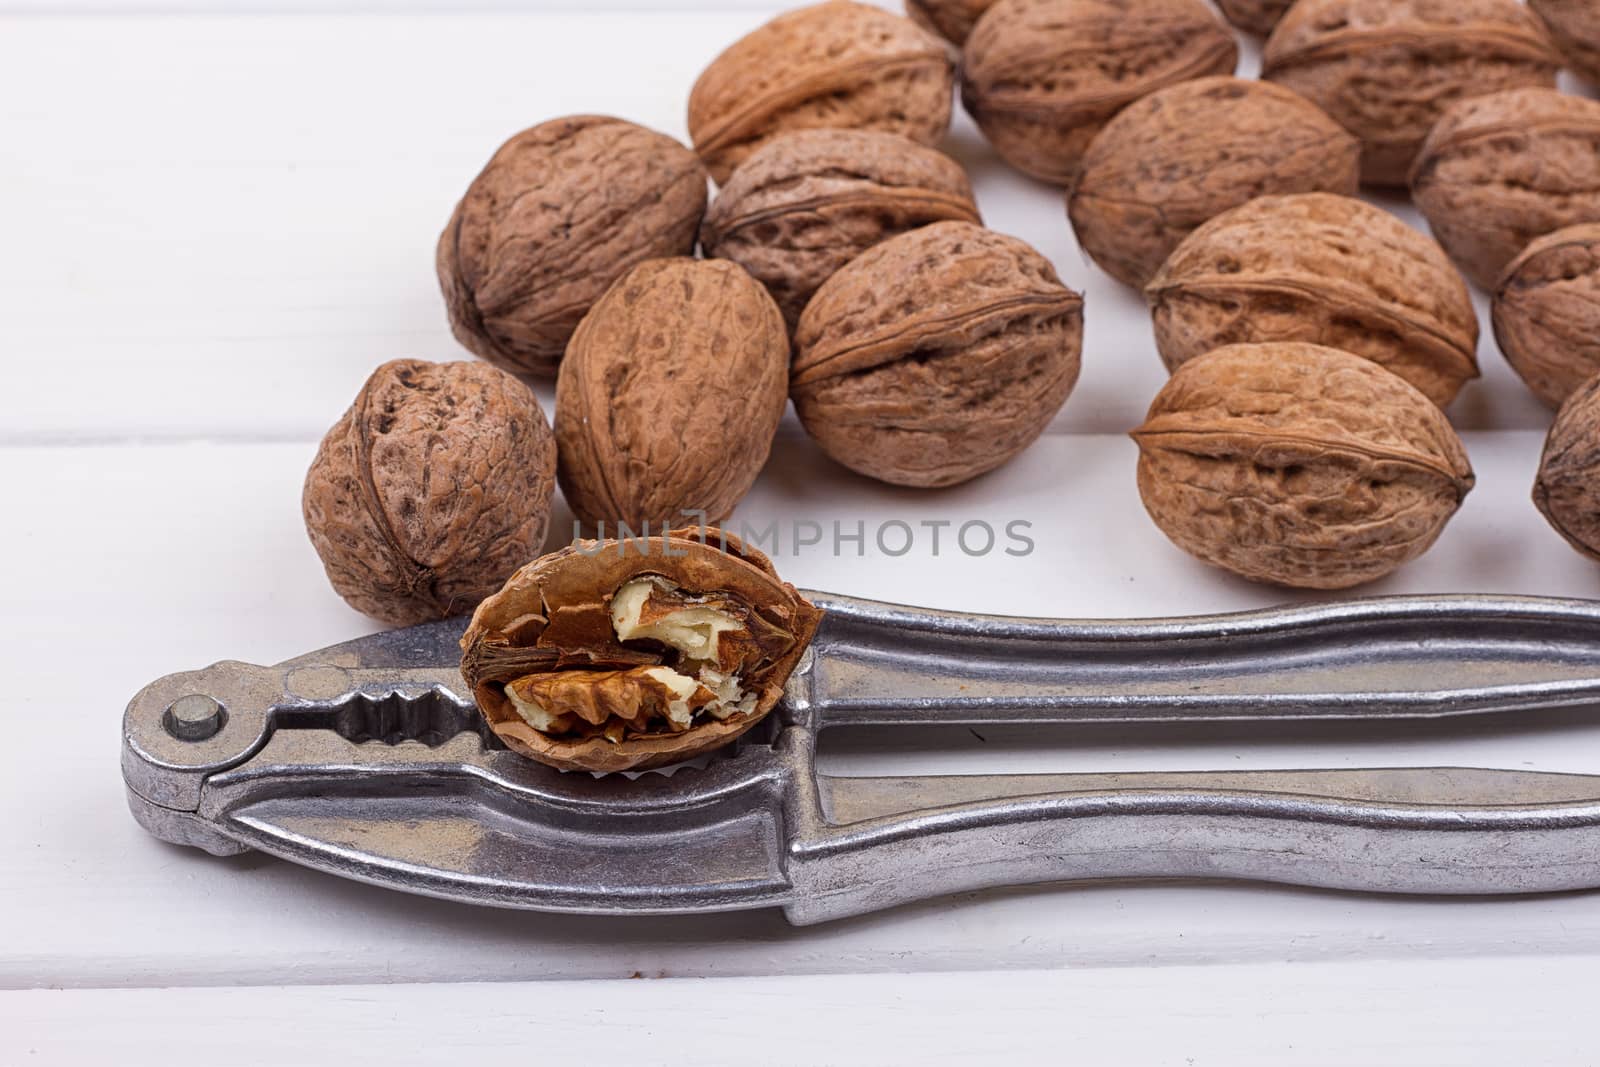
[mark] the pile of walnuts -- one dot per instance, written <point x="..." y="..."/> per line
<point x="843" y="265"/>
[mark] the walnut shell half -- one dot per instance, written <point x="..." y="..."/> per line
<point x="936" y="355"/>
<point x="1574" y="25"/>
<point x="1387" y="69"/>
<point x="809" y="202"/>
<point x="1189" y="152"/>
<point x="1298" y="465"/>
<point x="1499" y="170"/>
<point x="670" y="394"/>
<point x="838" y="65"/>
<point x="1567" y="487"/>
<point x="1547" y="312"/>
<point x="1329" y="270"/>
<point x="1041" y="77"/>
<point x="431" y="489"/>
<point x="557" y="215"/>
<point x="625" y="655"/>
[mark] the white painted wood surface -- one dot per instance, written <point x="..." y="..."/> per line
<point x="215" y="226"/>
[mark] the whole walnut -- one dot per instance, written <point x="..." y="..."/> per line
<point x="1298" y="465"/>
<point x="1574" y="25"/>
<point x="937" y="355"/>
<point x="1387" y="69"/>
<point x="1547" y="312"/>
<point x="1041" y="77"/>
<point x="950" y="19"/>
<point x="431" y="489"/>
<point x="1567" y="488"/>
<point x="670" y="395"/>
<point x="557" y="215"/>
<point x="838" y="64"/>
<point x="1329" y="270"/>
<point x="1499" y="170"/>
<point x="624" y="655"/>
<point x="808" y="202"/>
<point x="1181" y="155"/>
<point x="1254" y="16"/>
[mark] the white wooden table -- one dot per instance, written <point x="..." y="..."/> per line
<point x="214" y="226"/>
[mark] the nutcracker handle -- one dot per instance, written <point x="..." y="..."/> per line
<point x="1389" y="657"/>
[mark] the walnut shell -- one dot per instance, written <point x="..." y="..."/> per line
<point x="1042" y="77"/>
<point x="1387" y="69"/>
<point x="557" y="215"/>
<point x="936" y="355"/>
<point x="1189" y="152"/>
<point x="1254" y="16"/>
<point x="554" y="618"/>
<point x="1547" y="312"/>
<point x="1567" y="488"/>
<point x="1324" y="269"/>
<point x="1298" y="465"/>
<point x="809" y="202"/>
<point x="1574" y="26"/>
<point x="950" y="19"/>
<point x="670" y="394"/>
<point x="838" y="64"/>
<point x="431" y="489"/>
<point x="1499" y="170"/>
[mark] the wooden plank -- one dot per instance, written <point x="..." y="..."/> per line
<point x="1400" y="1012"/>
<point x="133" y="562"/>
<point x="225" y="244"/>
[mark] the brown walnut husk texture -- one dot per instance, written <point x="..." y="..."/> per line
<point x="838" y="64"/>
<point x="1298" y="465"/>
<point x="951" y="19"/>
<point x="1254" y="16"/>
<point x="1387" y="69"/>
<point x="557" y="215"/>
<point x="1499" y="170"/>
<point x="1041" y="77"/>
<point x="1567" y="487"/>
<point x="1184" y="154"/>
<point x="937" y="355"/>
<point x="431" y="489"/>
<point x="1324" y="269"/>
<point x="670" y="394"/>
<point x="1574" y="25"/>
<point x="1547" y="312"/>
<point x="553" y="620"/>
<point x="809" y="202"/>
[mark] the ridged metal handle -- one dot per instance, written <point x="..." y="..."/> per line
<point x="1400" y="657"/>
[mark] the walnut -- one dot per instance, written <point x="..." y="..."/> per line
<point x="1386" y="69"/>
<point x="1254" y="16"/>
<point x="1574" y="26"/>
<point x="936" y="355"/>
<point x="1298" y="465"/>
<point x="670" y="394"/>
<point x="1567" y="487"/>
<point x="625" y="655"/>
<point x="1041" y="77"/>
<point x="950" y="19"/>
<point x="557" y="215"/>
<point x="1183" y="154"/>
<point x="807" y="203"/>
<point x="1547" y="312"/>
<point x="1329" y="270"/>
<point x="837" y="65"/>
<point x="1499" y="170"/>
<point x="432" y="488"/>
